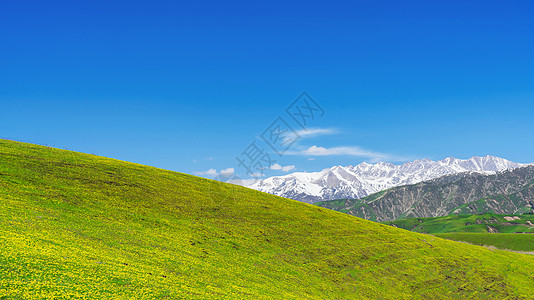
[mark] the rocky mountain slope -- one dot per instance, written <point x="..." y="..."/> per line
<point x="354" y="182"/>
<point x="508" y="192"/>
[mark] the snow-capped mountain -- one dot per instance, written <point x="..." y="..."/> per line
<point x="353" y="182"/>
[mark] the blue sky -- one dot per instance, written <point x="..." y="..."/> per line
<point x="188" y="86"/>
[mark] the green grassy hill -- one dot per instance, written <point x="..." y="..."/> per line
<point x="78" y="225"/>
<point x="492" y="223"/>
<point x="510" y="241"/>
<point x="500" y="231"/>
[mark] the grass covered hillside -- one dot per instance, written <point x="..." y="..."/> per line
<point x="501" y="231"/>
<point x="491" y="223"/>
<point x="79" y="225"/>
<point x="509" y="241"/>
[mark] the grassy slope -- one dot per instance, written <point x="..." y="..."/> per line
<point x="74" y="224"/>
<point x="465" y="223"/>
<point x="510" y="241"/>
<point x="466" y="229"/>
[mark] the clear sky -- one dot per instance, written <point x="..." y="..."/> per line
<point x="188" y="86"/>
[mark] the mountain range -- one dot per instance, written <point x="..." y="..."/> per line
<point x="355" y="182"/>
<point x="506" y="192"/>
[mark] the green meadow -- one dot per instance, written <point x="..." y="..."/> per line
<point x="500" y="231"/>
<point x="509" y="241"/>
<point x="468" y="223"/>
<point x="75" y="225"/>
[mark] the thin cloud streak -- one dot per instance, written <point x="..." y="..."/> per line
<point x="313" y="132"/>
<point x="373" y="156"/>
<point x="310" y="133"/>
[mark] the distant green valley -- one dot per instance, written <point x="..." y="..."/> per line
<point x="490" y="223"/>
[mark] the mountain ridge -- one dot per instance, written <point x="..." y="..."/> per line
<point x="354" y="182"/>
<point x="468" y="193"/>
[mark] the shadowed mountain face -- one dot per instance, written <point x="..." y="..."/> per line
<point x="509" y="192"/>
<point x="354" y="182"/>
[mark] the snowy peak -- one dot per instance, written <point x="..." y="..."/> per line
<point x="364" y="179"/>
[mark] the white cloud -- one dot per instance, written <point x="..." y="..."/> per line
<point x="350" y="151"/>
<point x="276" y="167"/>
<point x="282" y="168"/>
<point x="288" y="168"/>
<point x="211" y="172"/>
<point x="209" y="158"/>
<point x="227" y="172"/>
